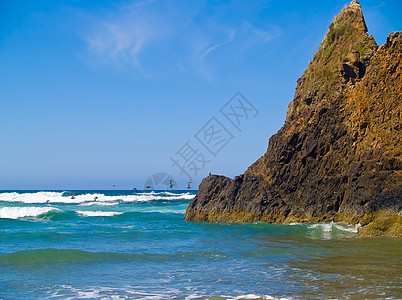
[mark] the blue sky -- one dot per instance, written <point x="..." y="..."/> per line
<point x="95" y="93"/>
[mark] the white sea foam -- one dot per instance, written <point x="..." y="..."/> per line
<point x="171" y="194"/>
<point x="330" y="230"/>
<point x="131" y="293"/>
<point x="98" y="213"/>
<point x="21" y="212"/>
<point x="329" y="227"/>
<point x="349" y="228"/>
<point x="163" y="210"/>
<point x="326" y="227"/>
<point x="57" y="197"/>
<point x="39" y="197"/>
<point x="107" y="293"/>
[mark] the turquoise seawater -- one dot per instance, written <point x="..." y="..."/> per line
<point x="130" y="245"/>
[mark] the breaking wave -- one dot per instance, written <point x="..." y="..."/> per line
<point x="91" y="198"/>
<point x="99" y="213"/>
<point x="130" y="292"/>
<point x="332" y="230"/>
<point x="24" y="212"/>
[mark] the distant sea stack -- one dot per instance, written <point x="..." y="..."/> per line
<point x="338" y="155"/>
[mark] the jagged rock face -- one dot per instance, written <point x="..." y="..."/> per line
<point x="338" y="155"/>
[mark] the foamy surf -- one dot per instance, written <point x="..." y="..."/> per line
<point x="129" y="292"/>
<point x="98" y="213"/>
<point x="95" y="198"/>
<point x="332" y="229"/>
<point x="23" y="212"/>
<point x="149" y="252"/>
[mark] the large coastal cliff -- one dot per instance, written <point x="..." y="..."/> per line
<point x="338" y="155"/>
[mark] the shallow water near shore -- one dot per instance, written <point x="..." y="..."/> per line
<point x="137" y="246"/>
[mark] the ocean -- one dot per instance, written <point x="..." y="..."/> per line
<point x="136" y="245"/>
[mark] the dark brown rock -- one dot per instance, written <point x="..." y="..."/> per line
<point x="338" y="155"/>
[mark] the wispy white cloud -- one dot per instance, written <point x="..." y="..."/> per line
<point x="259" y="35"/>
<point x="139" y="4"/>
<point x="150" y="34"/>
<point x="381" y="4"/>
<point x="230" y="35"/>
<point x="120" y="40"/>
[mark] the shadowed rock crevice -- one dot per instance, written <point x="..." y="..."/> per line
<point x="338" y="155"/>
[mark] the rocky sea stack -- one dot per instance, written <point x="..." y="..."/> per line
<point x="338" y="155"/>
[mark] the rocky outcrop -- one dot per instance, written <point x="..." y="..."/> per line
<point x="338" y="155"/>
